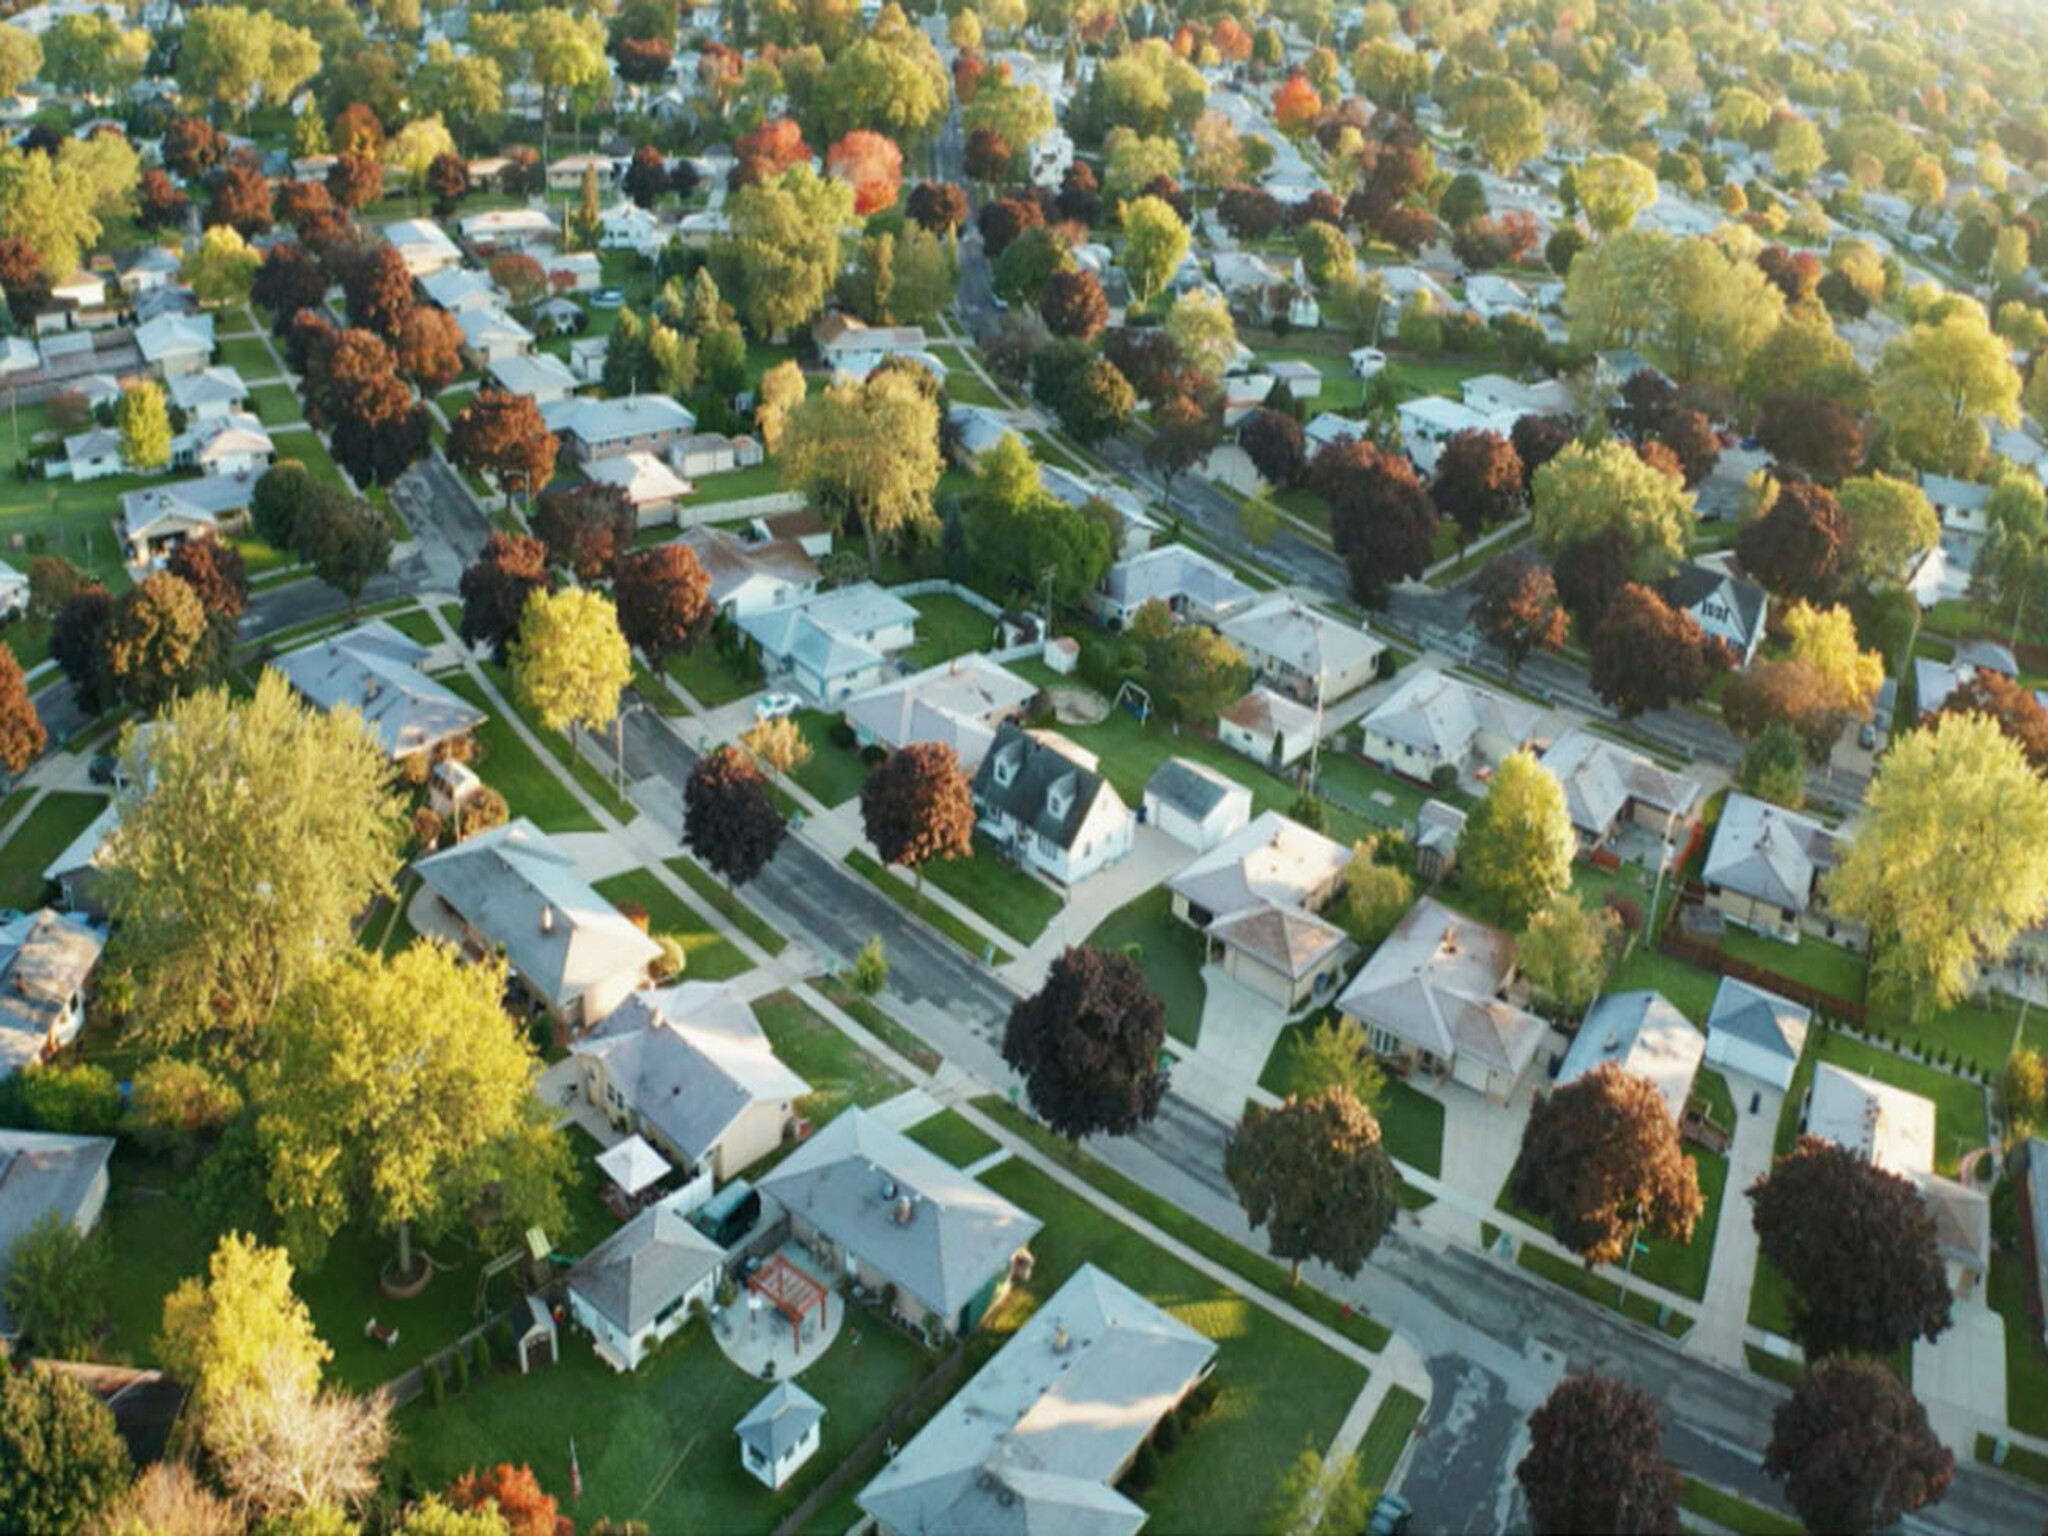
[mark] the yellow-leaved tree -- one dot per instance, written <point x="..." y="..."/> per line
<point x="570" y="660"/>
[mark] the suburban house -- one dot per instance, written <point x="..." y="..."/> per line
<point x="1042" y="1434"/>
<point x="176" y="344"/>
<point x="750" y="577"/>
<point x="13" y="591"/>
<point x="702" y="454"/>
<point x="512" y="891"/>
<point x="636" y="1287"/>
<point x="211" y="392"/>
<point x="626" y="226"/>
<point x="94" y="454"/>
<point x="835" y="644"/>
<point x="147" y="269"/>
<point x="601" y="429"/>
<point x="1727" y="607"/>
<point x="1194" y="804"/>
<point x="1643" y="1033"/>
<point x="961" y="702"/>
<point x="1960" y="504"/>
<point x="1255" y="895"/>
<point x="1433" y="721"/>
<point x="231" y="444"/>
<point x="1764" y="867"/>
<point x="901" y="1222"/>
<point x="1502" y="398"/>
<point x="688" y="1068"/>
<point x="1303" y="651"/>
<point x="1261" y="288"/>
<point x="1427" y="422"/>
<point x="848" y="345"/>
<point x="423" y="245"/>
<point x="1755" y="1033"/>
<point x="780" y="1433"/>
<point x="801" y="527"/>
<point x="502" y="229"/>
<point x="158" y="518"/>
<point x="1613" y="791"/>
<point x="460" y="289"/>
<point x="1044" y="799"/>
<point x="541" y="375"/>
<point x="376" y="670"/>
<point x="1934" y="681"/>
<point x="77" y="868"/>
<point x="1267" y="728"/>
<point x="1188" y="582"/>
<point x="1433" y="997"/>
<point x="1895" y="1130"/>
<point x="490" y="336"/>
<point x="654" y="491"/>
<point x="41" y="1173"/>
<point x="46" y="961"/>
<point x="567" y="172"/>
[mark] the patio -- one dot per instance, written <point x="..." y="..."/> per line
<point x="758" y="1336"/>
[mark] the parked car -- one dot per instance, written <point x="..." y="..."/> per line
<point x="1867" y="737"/>
<point x="608" y="298"/>
<point x="1390" y="1516"/>
<point x="105" y="768"/>
<point x="773" y="706"/>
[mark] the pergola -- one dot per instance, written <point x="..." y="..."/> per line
<point x="792" y="1292"/>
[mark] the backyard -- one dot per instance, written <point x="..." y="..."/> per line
<point x="38" y="838"/>
<point x="1167" y="950"/>
<point x="712" y="677"/>
<point x="947" y="626"/>
<point x="1960" y="1125"/>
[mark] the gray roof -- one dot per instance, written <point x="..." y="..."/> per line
<point x="1762" y="1019"/>
<point x="1435" y="982"/>
<point x="1437" y="713"/>
<point x="598" y="422"/>
<point x="831" y="634"/>
<point x="1271" y="860"/>
<point x="779" y="1421"/>
<point x="2037" y="1204"/>
<point x="1769" y="853"/>
<point x="517" y="888"/>
<point x="1038" y="785"/>
<point x="1174" y="571"/>
<point x="1644" y="1034"/>
<point x="1601" y="777"/>
<point x="960" y="1234"/>
<point x="1031" y="1445"/>
<point x="375" y="669"/>
<point x="1194" y="789"/>
<point x="46" y="958"/>
<point x="1693" y="582"/>
<point x="645" y="1267"/>
<point x="690" y="1060"/>
<point x="41" y="1172"/>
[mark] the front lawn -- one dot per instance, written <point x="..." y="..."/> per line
<point x="833" y="774"/>
<point x="1411" y="1122"/>
<point x="905" y="895"/>
<point x="596" y="784"/>
<point x="511" y="767"/>
<point x="947" y="626"/>
<point x="955" y="1139"/>
<point x="724" y="902"/>
<point x="310" y="451"/>
<point x="2026" y="1364"/>
<point x="1167" y="950"/>
<point x="963" y="384"/>
<point x="276" y="405"/>
<point x="46" y="832"/>
<point x="250" y="357"/>
<point x="1387" y="1436"/>
<point x="417" y="625"/>
<point x="1683" y="1267"/>
<point x="711" y="677"/>
<point x="993" y="887"/>
<point x="712" y="956"/>
<point x="839" y="1071"/>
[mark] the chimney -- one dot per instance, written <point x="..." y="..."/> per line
<point x="547" y="918"/>
<point x="1061" y="1342"/>
<point x="905" y="1209"/>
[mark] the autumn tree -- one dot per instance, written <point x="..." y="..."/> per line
<point x="1601" y="1161"/>
<point x="916" y="807"/>
<point x="1646" y="654"/>
<point x="448" y="184"/>
<point x="1854" y="1448"/>
<point x="1192" y="670"/>
<point x="1824" y="437"/>
<point x="2011" y="705"/>
<point x="1184" y="433"/>
<point x="1316" y="1175"/>
<point x="1478" y="482"/>
<point x="501" y="435"/>
<point x="1516" y="848"/>
<point x="866" y="456"/>
<point x="869" y="163"/>
<point x="1596" y="1461"/>
<point x="22" y="737"/>
<point x="1087" y="1045"/>
<point x="1273" y="441"/>
<point x="939" y="206"/>
<point x="159" y="646"/>
<point x="1085" y="390"/>
<point x="1515" y="608"/>
<point x="729" y="818"/>
<point x="1381" y="519"/>
<point x="586" y="527"/>
<point x="428" y="348"/>
<point x="62" y="1460"/>
<point x="380" y="293"/>
<point x="241" y="198"/>
<point x="145" y="425"/>
<point x="1073" y="305"/>
<point x="78" y="644"/>
<point x="570" y="663"/>
<point x="1798" y="548"/>
<point x="1155" y="243"/>
<point x="664" y="598"/>
<point x="288" y="280"/>
<point x="516" y="1495"/>
<point x="215" y="572"/>
<point x="495" y="589"/>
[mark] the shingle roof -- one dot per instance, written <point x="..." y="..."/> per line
<point x="1644" y="1034"/>
<point x="1437" y="713"/>
<point x="1767" y="852"/>
<point x="1434" y="982"/>
<point x="1174" y="571"/>
<point x="1038" y="785"/>
<point x="42" y="1172"/>
<point x="45" y="960"/>
<point x="780" y="1420"/>
<point x="1601" y="777"/>
<point x="1759" y="1018"/>
<point x="1192" y="788"/>
<point x="1270" y="859"/>
<point x="1289" y="632"/>
<point x="375" y="670"/>
<point x="1692" y="582"/>
<point x="644" y="1267"/>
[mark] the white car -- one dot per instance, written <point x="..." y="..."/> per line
<point x="1367" y="361"/>
<point x="773" y="706"/>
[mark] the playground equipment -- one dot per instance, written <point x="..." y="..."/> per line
<point x="533" y="1252"/>
<point x="1134" y="697"/>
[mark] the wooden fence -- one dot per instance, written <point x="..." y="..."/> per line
<point x="1711" y="957"/>
<point x="860" y="1461"/>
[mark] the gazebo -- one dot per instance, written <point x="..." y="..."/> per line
<point x="633" y="1167"/>
<point x="792" y="1293"/>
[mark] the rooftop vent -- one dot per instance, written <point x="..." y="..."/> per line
<point x="547" y="918"/>
<point x="906" y="1208"/>
<point x="1062" y="1341"/>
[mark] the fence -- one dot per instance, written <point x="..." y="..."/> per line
<point x="931" y="586"/>
<point x="1712" y="958"/>
<point x="408" y="1386"/>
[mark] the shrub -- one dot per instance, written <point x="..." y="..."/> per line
<point x="508" y="1341"/>
<point x="840" y="734"/>
<point x="1145" y="1470"/>
<point x="460" y="1370"/>
<point x="1445" y="777"/>
<point x="870" y="967"/>
<point x="437" y="1389"/>
<point x="1201" y="1398"/>
<point x="82" y="1100"/>
<point x="872" y="754"/>
<point x="481" y="1351"/>
<point x="1167" y="1435"/>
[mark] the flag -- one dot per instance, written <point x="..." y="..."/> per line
<point x="575" y="1473"/>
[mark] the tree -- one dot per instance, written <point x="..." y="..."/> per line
<point x="22" y="737"/>
<point x="1824" y="639"/>
<point x="1193" y="671"/>
<point x="315" y="833"/>
<point x="1813" y="433"/>
<point x="1612" y="190"/>
<point x="299" y="1459"/>
<point x="781" y="253"/>
<point x="1539" y="439"/>
<point x="1315" y="1174"/>
<point x="869" y="163"/>
<point x="916" y="807"/>
<point x="664" y="598"/>
<point x="21" y="58"/>
<point x="1515" y="608"/>
<point x="570" y="663"/>
<point x="1773" y="767"/>
<point x="1564" y="952"/>
<point x="346" y="541"/>
<point x="380" y="292"/>
<point x="1503" y="121"/>
<point x="646" y="179"/>
<point x="502" y="435"/>
<point x="448" y="183"/>
<point x="176" y="1105"/>
<point x="1646" y="654"/>
<point x="1028" y="264"/>
<point x="223" y="270"/>
<point x="1804" y="356"/>
<point x="1073" y="305"/>
<point x="777" y="744"/>
<point x="1891" y="523"/>
<point x="1516" y="849"/>
<point x="2008" y="703"/>
<point x="1087" y="1045"/>
<point x="215" y="572"/>
<point x="55" y="1289"/>
<point x="78" y="644"/>
<point x="1854" y="1448"/>
<point x="1934" y="385"/>
<point x="1583" y="490"/>
<point x="167" y="1498"/>
<point x="1478" y="482"/>
<point x="866" y="456"/>
<point x="1273" y="441"/>
<point x="158" y="643"/>
<point x="282" y="494"/>
<point x="1797" y="547"/>
<point x="1858" y="1247"/>
<point x="515" y="1493"/>
<point x="939" y="206"/>
<point x="22" y="278"/>
<point x="428" y="348"/>
<point x="62" y="1460"/>
<point x="287" y="280"/>
<point x="161" y="202"/>
<point x="52" y="582"/>
<point x="586" y="527"/>
<point x="46" y="202"/>
<point x="1295" y="104"/>
<point x="1596" y="1462"/>
<point x="1318" y="1498"/>
<point x="224" y="1333"/>
<point x="495" y="589"/>
<point x="1183" y="436"/>
<point x="145" y="426"/>
<point x="1381" y="519"/>
<point x="1601" y="1161"/>
<point x="228" y="54"/>
<point x="401" y="1090"/>
<point x="729" y="819"/>
<point x="1155" y="244"/>
<point x="1199" y="325"/>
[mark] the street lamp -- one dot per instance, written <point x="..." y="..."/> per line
<point x="619" y="741"/>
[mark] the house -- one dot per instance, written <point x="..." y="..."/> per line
<point x="1508" y="400"/>
<point x="233" y="444"/>
<point x="1934" y="681"/>
<point x="586" y="358"/>
<point x="1610" y="790"/>
<point x="512" y="890"/>
<point x="46" y="960"/>
<point x="748" y="577"/>
<point x="626" y="226"/>
<point x="1433" y="997"/>
<point x="901" y="1223"/>
<point x="835" y="644"/>
<point x="1262" y="288"/>
<point x="1050" y="156"/>
<point x="1438" y="826"/>
<point x="688" y="1068"/>
<point x="600" y="429"/>
<point x="157" y="519"/>
<point x="1256" y="896"/>
<point x="1764" y="867"/>
<point x="713" y="453"/>
<point x="379" y="672"/>
<point x="1727" y="607"/>
<point x="960" y="702"/>
<point x="490" y="336"/>
<point x="1187" y="581"/>
<point x="1427" y="422"/>
<point x="1267" y="728"/>
<point x="175" y="344"/>
<point x="567" y="173"/>
<point x="1434" y="721"/>
<point x="1194" y="804"/>
<point x="1044" y="799"/>
<point x="94" y="454"/>
<point x="41" y="1173"/>
<point x="1962" y="505"/>
<point x="1040" y="1437"/>
<point x="780" y="1433"/>
<point x="1644" y="1034"/>
<point x="77" y="868"/>
<point x="423" y="245"/>
<point x="802" y="527"/>
<point x="1490" y="296"/>
<point x="13" y="591"/>
<point x="541" y="376"/>
<point x="1893" y="1129"/>
<point x="574" y="271"/>
<point x="971" y="430"/>
<point x="654" y="490"/>
<point x="1302" y="651"/>
<point x="559" y="316"/>
<point x="637" y="1287"/>
<point x="148" y="269"/>
<point x="847" y="344"/>
<point x="209" y="394"/>
<point x="459" y="290"/>
<point x="1755" y="1033"/>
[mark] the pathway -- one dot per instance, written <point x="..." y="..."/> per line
<point x="1723" y="1327"/>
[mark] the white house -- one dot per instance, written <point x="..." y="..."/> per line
<point x="424" y="246"/>
<point x="209" y="393"/>
<point x="233" y="444"/>
<point x="597" y="429"/>
<point x="1194" y="804"/>
<point x="458" y="289"/>
<point x="378" y="671"/>
<point x="1726" y="606"/>
<point x="1434" y="720"/>
<point x="46" y="961"/>
<point x="780" y="1433"/>
<point x="1187" y="581"/>
<point x="655" y="491"/>
<point x="94" y="454"/>
<point x="1256" y="897"/>
<point x="1302" y="651"/>
<point x="636" y="1288"/>
<point x="175" y="344"/>
<point x="960" y="702"/>
<point x="1645" y="1035"/>
<point x="490" y="336"/>
<point x="540" y="375"/>
<point x="42" y="1174"/>
<point x="748" y="577"/>
<point x="847" y="344"/>
<point x="1427" y="422"/>
<point x="1043" y="797"/>
<point x="1764" y="868"/>
<point x="1755" y="1033"/>
<point x="1267" y="727"/>
<point x="626" y="226"/>
<point x="835" y="644"/>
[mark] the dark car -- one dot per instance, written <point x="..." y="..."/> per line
<point x="105" y="768"/>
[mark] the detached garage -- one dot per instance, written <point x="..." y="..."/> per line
<point x="1755" y="1032"/>
<point x="1196" y="805"/>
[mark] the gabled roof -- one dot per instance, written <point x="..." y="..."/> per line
<point x="644" y="478"/>
<point x="1693" y="582"/>
<point x="597" y="422"/>
<point x="170" y="335"/>
<point x="1439" y="714"/>
<point x="953" y="702"/>
<point x="1172" y="571"/>
<point x="732" y="562"/>
<point x="483" y="327"/>
<point x="779" y="1421"/>
<point x="1601" y="777"/>
<point x="186" y="503"/>
<point x="375" y="670"/>
<point x="831" y="633"/>
<point x="41" y="1172"/>
<point x="1031" y="778"/>
<point x="1763" y="1019"/>
<point x="644" y="1268"/>
<point x="1311" y="642"/>
<point x="1435" y="983"/>
<point x="1769" y="853"/>
<point x="1292" y="941"/>
<point x="1271" y="859"/>
<point x="531" y="373"/>
<point x="45" y="960"/>
<point x="851" y="1179"/>
<point x="1192" y="788"/>
<point x="218" y="385"/>
<point x="460" y="288"/>
<point x="1266" y="713"/>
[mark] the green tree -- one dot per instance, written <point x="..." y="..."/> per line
<point x="1585" y="491"/>
<point x="866" y="457"/>
<point x="1891" y="523"/>
<point x="1515" y="852"/>
<point x="1564" y="951"/>
<point x="1315" y="1174"/>
<point x="781" y="253"/>
<point x="1191" y="669"/>
<point x="21" y="58"/>
<point x="61" y="1459"/>
<point x="56" y="1286"/>
<point x="1376" y="896"/>
<point x="1612" y="190"/>
<point x="227" y="55"/>
<point x="240" y="1326"/>
<point x="93" y="55"/>
<point x="570" y="661"/>
<point x="223" y="269"/>
<point x="1155" y="243"/>
<point x="1503" y="121"/>
<point x="1321" y="1498"/>
<point x="47" y="201"/>
<point x="1337" y="1053"/>
<point x="145" y="426"/>
<point x="1773" y="767"/>
<point x="346" y="541"/>
<point x="1798" y="151"/>
<point x="1934" y="385"/>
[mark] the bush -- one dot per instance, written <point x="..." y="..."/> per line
<point x="481" y="1350"/>
<point x="873" y="753"/>
<point x="437" y="1389"/>
<point x="176" y="1105"/>
<point x="870" y="967"/>
<point x="1201" y="1398"/>
<point x="1145" y="1470"/>
<point x="460" y="1365"/>
<point x="1167" y="1435"/>
<point x="82" y="1100"/>
<point x="840" y="734"/>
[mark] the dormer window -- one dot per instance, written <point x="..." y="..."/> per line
<point x="1006" y="769"/>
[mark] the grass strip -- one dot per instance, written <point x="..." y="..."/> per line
<point x="969" y="939"/>
<point x="729" y="906"/>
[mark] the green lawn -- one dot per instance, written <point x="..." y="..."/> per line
<point x="833" y="775"/>
<point x="1387" y="1436"/>
<point x="763" y="479"/>
<point x="724" y="902"/>
<point x="1683" y="1267"/>
<point x="417" y="625"/>
<point x="963" y="384"/>
<point x="596" y="784"/>
<point x="29" y="639"/>
<point x="511" y="767"/>
<point x="1279" y="1388"/>
<point x="56" y="517"/>
<point x="712" y="678"/>
<point x="1411" y="1122"/>
<point x="1829" y="967"/>
<point x="1688" y="988"/>
<point x="712" y="956"/>
<point x="1959" y="1119"/>
<point x="310" y="451"/>
<point x="871" y="1016"/>
<point x="1982" y="1033"/>
<point x="1733" y="1514"/>
<point x="996" y="889"/>
<point x="275" y="404"/>
<point x="955" y="1139"/>
<point x="1167" y="950"/>
<point x="968" y="938"/>
<point x="249" y="356"/>
<point x="2026" y="1363"/>
<point x="947" y="627"/>
<point x="40" y="837"/>
<point x="839" y="1071"/>
<point x="1599" y="1288"/>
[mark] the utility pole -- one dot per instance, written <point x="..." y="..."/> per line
<point x="1049" y="573"/>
